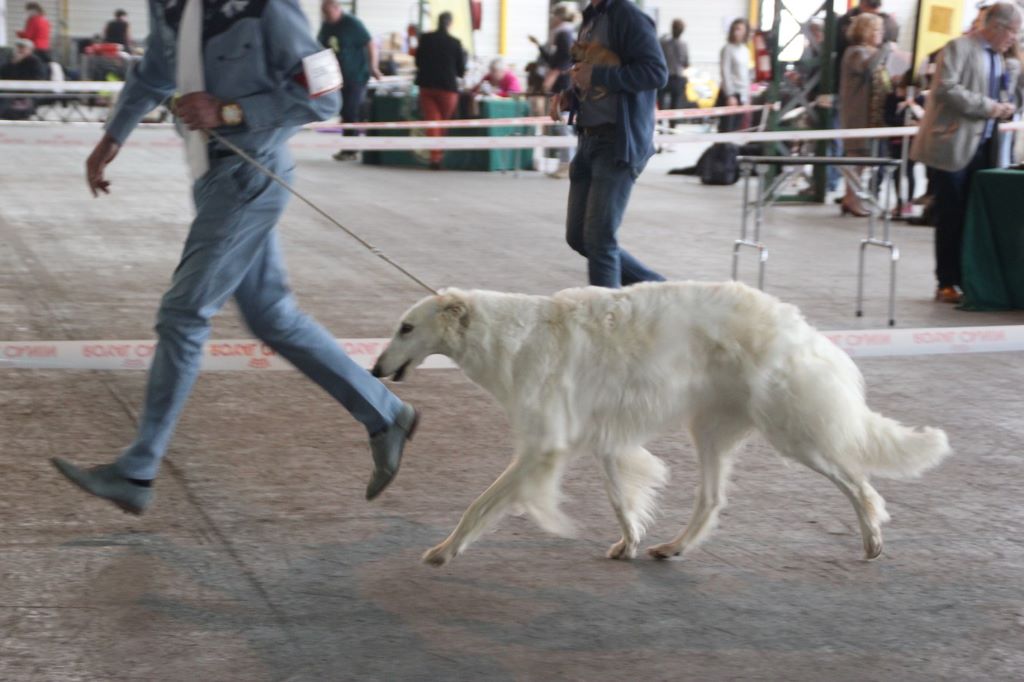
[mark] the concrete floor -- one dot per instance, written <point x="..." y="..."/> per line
<point x="261" y="561"/>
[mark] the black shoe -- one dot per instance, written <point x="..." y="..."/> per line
<point x="387" y="447"/>
<point x="105" y="482"/>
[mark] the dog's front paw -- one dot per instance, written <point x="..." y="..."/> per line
<point x="438" y="556"/>
<point x="663" y="551"/>
<point x="622" y="550"/>
<point x="873" y="548"/>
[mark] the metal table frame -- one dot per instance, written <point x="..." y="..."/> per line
<point x="766" y="196"/>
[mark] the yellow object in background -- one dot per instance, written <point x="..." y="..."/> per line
<point x="462" y="24"/>
<point x="701" y="89"/>
<point x="938" y="22"/>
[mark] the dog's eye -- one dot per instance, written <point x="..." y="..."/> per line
<point x="405" y="328"/>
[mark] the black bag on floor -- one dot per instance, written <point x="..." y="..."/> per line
<point x="718" y="165"/>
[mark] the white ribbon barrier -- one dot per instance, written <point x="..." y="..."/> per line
<point x="106" y="87"/>
<point x="83" y="87"/>
<point x="252" y="355"/>
<point x="222" y="355"/>
<point x="544" y="121"/>
<point x="353" y="143"/>
<point x="411" y="143"/>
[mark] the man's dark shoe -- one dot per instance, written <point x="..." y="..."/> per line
<point x="104" y="481"/>
<point x="387" y="447"/>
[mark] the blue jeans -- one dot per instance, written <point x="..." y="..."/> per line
<point x="352" y="94"/>
<point x="232" y="250"/>
<point x="599" y="190"/>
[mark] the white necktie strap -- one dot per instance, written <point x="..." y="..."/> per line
<point x="190" y="78"/>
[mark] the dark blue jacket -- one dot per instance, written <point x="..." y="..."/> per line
<point x="633" y="37"/>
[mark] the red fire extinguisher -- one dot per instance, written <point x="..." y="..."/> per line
<point x="476" y="14"/>
<point x="762" y="57"/>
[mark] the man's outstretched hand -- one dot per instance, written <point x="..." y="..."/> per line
<point x="97" y="162"/>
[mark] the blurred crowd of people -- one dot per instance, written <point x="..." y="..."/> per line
<point x="875" y="86"/>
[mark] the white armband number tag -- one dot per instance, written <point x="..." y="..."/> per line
<point x="323" y="75"/>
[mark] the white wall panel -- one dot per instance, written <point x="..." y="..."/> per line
<point x="706" y="25"/>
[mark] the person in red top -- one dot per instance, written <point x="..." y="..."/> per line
<point x="499" y="81"/>
<point x="37" y="29"/>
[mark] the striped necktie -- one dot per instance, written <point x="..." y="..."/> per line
<point x="191" y="79"/>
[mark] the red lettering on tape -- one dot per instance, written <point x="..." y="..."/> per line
<point x="30" y="350"/>
<point x="372" y="348"/>
<point x="229" y="350"/>
<point x="107" y="350"/>
<point x="926" y="338"/>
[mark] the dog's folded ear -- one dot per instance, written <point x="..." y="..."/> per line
<point x="457" y="310"/>
<point x="453" y="306"/>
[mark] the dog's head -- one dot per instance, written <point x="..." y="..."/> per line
<point x="435" y="325"/>
<point x="578" y="51"/>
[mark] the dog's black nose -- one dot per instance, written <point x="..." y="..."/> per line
<point x="376" y="371"/>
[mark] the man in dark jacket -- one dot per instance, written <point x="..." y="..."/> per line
<point x="440" y="60"/>
<point x="117" y="30"/>
<point x="353" y="45"/>
<point x="613" y="108"/>
<point x="25" y="66"/>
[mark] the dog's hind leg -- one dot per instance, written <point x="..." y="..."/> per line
<point x="632" y="480"/>
<point x="866" y="501"/>
<point x="530" y="481"/>
<point x="716" y="437"/>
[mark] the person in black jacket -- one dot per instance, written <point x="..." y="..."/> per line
<point x="25" y="66"/>
<point x="440" y="61"/>
<point x="117" y="30"/>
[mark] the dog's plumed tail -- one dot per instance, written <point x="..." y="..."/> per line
<point x="893" y="450"/>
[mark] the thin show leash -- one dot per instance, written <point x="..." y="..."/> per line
<point x="278" y="179"/>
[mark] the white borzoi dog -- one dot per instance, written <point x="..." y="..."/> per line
<point x="605" y="371"/>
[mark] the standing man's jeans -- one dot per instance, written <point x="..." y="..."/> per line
<point x="599" y="190"/>
<point x="232" y="250"/>
<point x="352" y="95"/>
<point x="951" y="190"/>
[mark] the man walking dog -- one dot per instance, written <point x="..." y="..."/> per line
<point x="256" y="94"/>
<point x="613" y="110"/>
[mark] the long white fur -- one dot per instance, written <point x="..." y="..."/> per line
<point x="604" y="371"/>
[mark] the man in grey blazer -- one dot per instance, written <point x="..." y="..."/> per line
<point x="959" y="133"/>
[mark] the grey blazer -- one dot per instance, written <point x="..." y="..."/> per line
<point x="957" y="106"/>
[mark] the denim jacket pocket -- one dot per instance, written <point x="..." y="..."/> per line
<point x="235" y="63"/>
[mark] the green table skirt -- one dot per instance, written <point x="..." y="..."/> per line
<point x="405" y="108"/>
<point x="993" y="247"/>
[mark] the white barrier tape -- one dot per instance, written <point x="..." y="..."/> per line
<point x="353" y="143"/>
<point x="83" y="87"/>
<point x="661" y="115"/>
<point x="248" y="354"/>
<point x="928" y="341"/>
<point x="221" y="355"/>
<point x="106" y="87"/>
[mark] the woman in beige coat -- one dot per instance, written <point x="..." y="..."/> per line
<point x="858" y="93"/>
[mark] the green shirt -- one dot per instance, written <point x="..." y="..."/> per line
<point x="348" y="38"/>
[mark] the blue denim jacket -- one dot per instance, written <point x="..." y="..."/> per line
<point x="252" y="54"/>
<point x="634" y="38"/>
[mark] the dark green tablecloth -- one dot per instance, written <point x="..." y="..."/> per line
<point x="404" y="108"/>
<point x="993" y="250"/>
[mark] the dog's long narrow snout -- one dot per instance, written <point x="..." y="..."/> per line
<point x="397" y="375"/>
